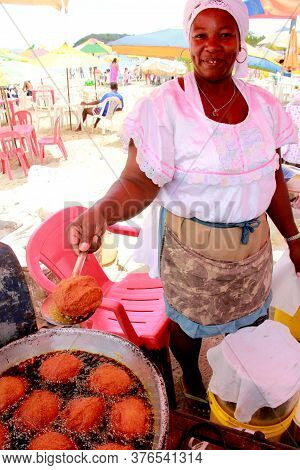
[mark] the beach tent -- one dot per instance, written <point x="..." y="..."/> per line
<point x="57" y="4"/>
<point x="166" y="44"/>
<point x="273" y="8"/>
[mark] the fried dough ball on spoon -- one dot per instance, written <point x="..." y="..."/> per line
<point x="77" y="296"/>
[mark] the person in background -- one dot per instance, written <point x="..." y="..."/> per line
<point x="27" y="88"/>
<point x="204" y="151"/>
<point x="96" y="111"/>
<point x="114" y="71"/>
<point x="126" y="77"/>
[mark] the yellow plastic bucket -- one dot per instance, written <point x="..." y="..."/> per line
<point x="272" y="433"/>
<point x="293" y="323"/>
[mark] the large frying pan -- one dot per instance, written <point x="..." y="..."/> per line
<point x="99" y="343"/>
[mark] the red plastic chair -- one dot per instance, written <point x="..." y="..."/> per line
<point x="23" y="117"/>
<point x="53" y="140"/>
<point x="12" y="147"/>
<point x="133" y="308"/>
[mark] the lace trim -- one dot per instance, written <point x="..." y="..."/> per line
<point x="151" y="173"/>
<point x="232" y="180"/>
<point x="147" y="162"/>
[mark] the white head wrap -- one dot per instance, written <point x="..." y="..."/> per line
<point x="239" y="12"/>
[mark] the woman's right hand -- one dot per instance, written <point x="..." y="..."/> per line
<point x="85" y="232"/>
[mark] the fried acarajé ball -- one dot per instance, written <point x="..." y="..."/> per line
<point x="37" y="411"/>
<point x="109" y="379"/>
<point x="83" y="415"/>
<point x="60" y="368"/>
<point x="130" y="418"/>
<point x="11" y="390"/>
<point x="77" y="296"/>
<point x="52" y="440"/>
<point x="3" y="436"/>
<point x="112" y="446"/>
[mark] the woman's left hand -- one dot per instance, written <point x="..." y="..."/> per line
<point x="294" y="247"/>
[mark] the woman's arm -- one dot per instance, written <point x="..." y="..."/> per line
<point x="126" y="198"/>
<point x="280" y="212"/>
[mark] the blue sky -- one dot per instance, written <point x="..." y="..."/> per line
<point x="22" y="26"/>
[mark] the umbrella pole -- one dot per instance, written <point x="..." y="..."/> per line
<point x="6" y="107"/>
<point x="69" y="98"/>
<point x="95" y="83"/>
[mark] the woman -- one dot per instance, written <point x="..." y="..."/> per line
<point x="114" y="71"/>
<point x="207" y="148"/>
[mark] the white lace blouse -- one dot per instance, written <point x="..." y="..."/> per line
<point x="215" y="172"/>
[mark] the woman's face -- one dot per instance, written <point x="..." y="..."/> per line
<point x="214" y="44"/>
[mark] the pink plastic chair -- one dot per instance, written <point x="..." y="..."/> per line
<point x="23" y="117"/>
<point x="12" y="147"/>
<point x="133" y="308"/>
<point x="53" y="140"/>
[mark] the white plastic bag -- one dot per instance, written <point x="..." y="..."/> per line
<point x="286" y="286"/>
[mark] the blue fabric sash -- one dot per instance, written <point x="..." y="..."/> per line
<point x="247" y="227"/>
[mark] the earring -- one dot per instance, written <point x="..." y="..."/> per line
<point x="245" y="50"/>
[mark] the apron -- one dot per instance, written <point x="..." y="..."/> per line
<point x="214" y="274"/>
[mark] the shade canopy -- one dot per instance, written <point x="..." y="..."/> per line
<point x="57" y="4"/>
<point x="168" y="43"/>
<point x="66" y="57"/>
<point x="273" y="8"/>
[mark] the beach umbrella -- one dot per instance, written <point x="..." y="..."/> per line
<point x="273" y="8"/>
<point x="166" y="44"/>
<point x="57" y="4"/>
<point x="261" y="60"/>
<point x="8" y="55"/>
<point x="291" y="58"/>
<point x="33" y="53"/>
<point x="66" y="57"/>
<point x="93" y="46"/>
<point x="280" y="39"/>
<point x="105" y="59"/>
<point x="163" y="67"/>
